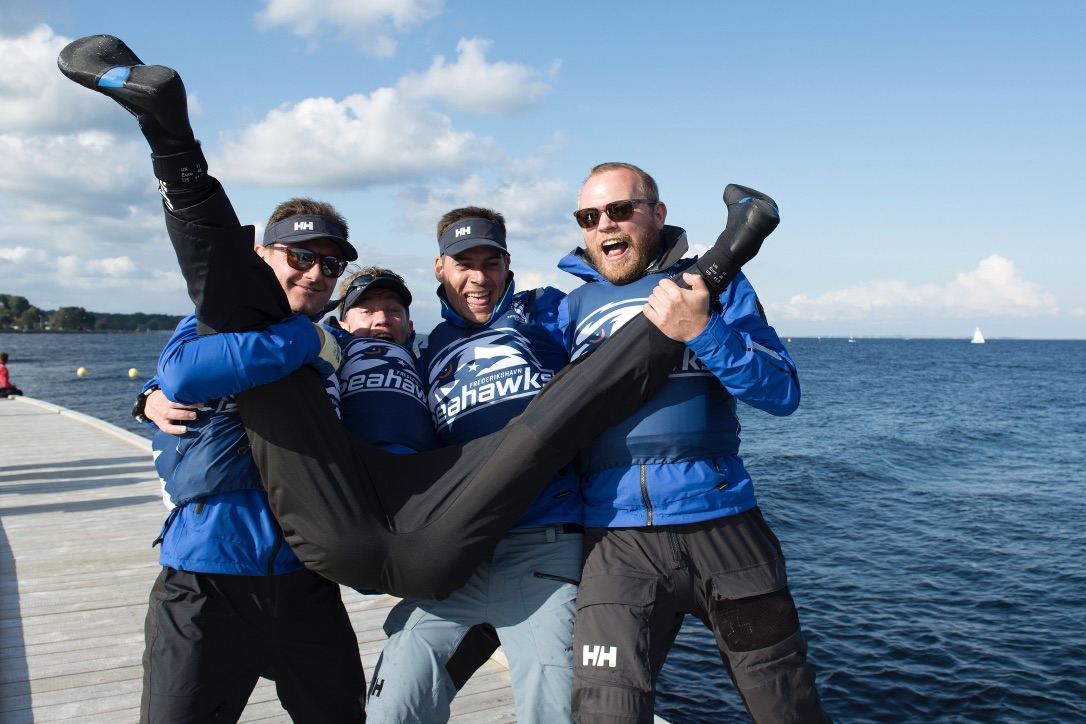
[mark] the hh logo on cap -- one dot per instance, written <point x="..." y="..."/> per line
<point x="463" y="232"/>
<point x="303" y="226"/>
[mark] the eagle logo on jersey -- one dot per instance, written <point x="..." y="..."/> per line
<point x="373" y="365"/>
<point x="599" y="325"/>
<point x="603" y="322"/>
<point x="493" y="366"/>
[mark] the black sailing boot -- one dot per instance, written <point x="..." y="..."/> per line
<point x="752" y="216"/>
<point x="154" y="94"/>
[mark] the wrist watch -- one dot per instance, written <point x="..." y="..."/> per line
<point x="141" y="404"/>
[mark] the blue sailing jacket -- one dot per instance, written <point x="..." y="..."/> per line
<point x="480" y="377"/>
<point x="676" y="460"/>
<point x="223" y="523"/>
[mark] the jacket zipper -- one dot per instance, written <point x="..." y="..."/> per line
<point x="724" y="483"/>
<point x="645" y="494"/>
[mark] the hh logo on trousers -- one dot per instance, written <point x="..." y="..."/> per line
<point x="599" y="656"/>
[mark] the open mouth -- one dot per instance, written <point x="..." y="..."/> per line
<point x="614" y="248"/>
<point x="477" y="300"/>
<point x="383" y="336"/>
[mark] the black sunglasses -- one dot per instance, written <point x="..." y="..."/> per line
<point x="366" y="279"/>
<point x="303" y="259"/>
<point x="616" y="211"/>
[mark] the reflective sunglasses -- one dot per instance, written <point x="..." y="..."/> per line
<point x="616" y="211"/>
<point x="366" y="279"/>
<point x="303" y="259"/>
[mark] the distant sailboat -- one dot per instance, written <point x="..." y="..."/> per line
<point x="978" y="338"/>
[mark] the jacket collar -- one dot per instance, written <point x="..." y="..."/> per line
<point x="453" y="317"/>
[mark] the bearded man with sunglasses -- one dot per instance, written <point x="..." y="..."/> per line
<point x="671" y="523"/>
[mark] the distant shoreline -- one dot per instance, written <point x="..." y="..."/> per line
<point x="84" y="331"/>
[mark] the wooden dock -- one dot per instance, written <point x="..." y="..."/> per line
<point x="80" y="504"/>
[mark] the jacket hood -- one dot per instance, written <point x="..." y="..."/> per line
<point x="673" y="247"/>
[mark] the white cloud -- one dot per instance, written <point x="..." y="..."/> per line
<point x="472" y="84"/>
<point x="994" y="288"/>
<point x="533" y="208"/>
<point x="370" y="25"/>
<point x="21" y="254"/>
<point x="361" y="140"/>
<point x="91" y="170"/>
<point x="121" y="273"/>
<point x="36" y="98"/>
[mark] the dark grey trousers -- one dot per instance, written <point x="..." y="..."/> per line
<point x="636" y="588"/>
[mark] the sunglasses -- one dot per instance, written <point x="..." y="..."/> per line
<point x="303" y="259"/>
<point x="366" y="279"/>
<point x="616" y="211"/>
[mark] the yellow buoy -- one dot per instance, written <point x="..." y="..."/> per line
<point x="81" y="371"/>
<point x="133" y="373"/>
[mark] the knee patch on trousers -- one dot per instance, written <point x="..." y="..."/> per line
<point x="747" y="624"/>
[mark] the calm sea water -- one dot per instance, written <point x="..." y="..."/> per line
<point x="930" y="496"/>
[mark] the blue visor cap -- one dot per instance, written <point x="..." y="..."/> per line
<point x="370" y="282"/>
<point x="470" y="233"/>
<point x="296" y="229"/>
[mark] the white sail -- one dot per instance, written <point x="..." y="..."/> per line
<point x="978" y="338"/>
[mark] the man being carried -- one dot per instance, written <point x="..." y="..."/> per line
<point x="415" y="525"/>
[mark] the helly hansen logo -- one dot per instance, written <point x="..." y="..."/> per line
<point x="376" y="686"/>
<point x="599" y="656"/>
<point x="303" y="226"/>
<point x="464" y="231"/>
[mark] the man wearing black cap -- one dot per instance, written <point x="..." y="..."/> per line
<point x="381" y="397"/>
<point x="233" y="602"/>
<point x="376" y="303"/>
<point x="485" y="363"/>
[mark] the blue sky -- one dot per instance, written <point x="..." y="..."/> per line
<point x="928" y="157"/>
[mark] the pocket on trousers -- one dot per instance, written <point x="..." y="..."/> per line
<point x="611" y="634"/>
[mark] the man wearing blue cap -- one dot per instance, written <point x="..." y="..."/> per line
<point x="484" y="363"/>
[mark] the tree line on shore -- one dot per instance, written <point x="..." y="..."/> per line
<point x="18" y="314"/>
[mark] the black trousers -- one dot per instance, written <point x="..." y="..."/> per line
<point x="411" y="525"/>
<point x="210" y="637"/>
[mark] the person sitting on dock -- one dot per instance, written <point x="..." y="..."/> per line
<point x="6" y="388"/>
